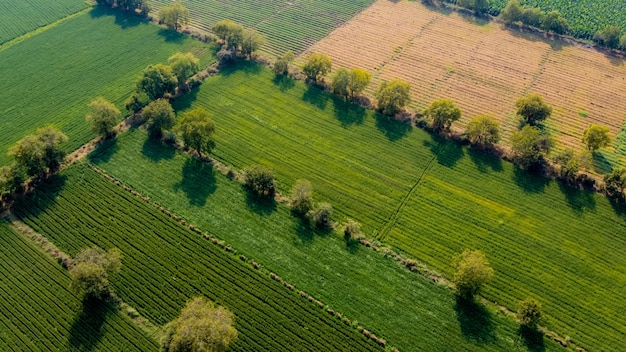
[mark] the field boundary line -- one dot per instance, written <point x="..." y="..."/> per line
<point x="540" y="71"/>
<point x="42" y="29"/>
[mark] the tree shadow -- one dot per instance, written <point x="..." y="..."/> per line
<point x="534" y="35"/>
<point x="352" y="245"/>
<point x="578" y="199"/>
<point x="44" y="195"/>
<point x="316" y="97"/>
<point x="245" y="66"/>
<point x="304" y="230"/>
<point x="263" y="206"/>
<point x="601" y="164"/>
<point x="122" y="19"/>
<point x="186" y="100"/>
<point x="475" y="321"/>
<point x="618" y="204"/>
<point x="532" y="339"/>
<point x="86" y="331"/>
<point x="284" y="82"/>
<point x="104" y="151"/>
<point x="155" y="150"/>
<point x="198" y="181"/>
<point x="529" y="181"/>
<point x="485" y="160"/>
<point x="392" y="129"/>
<point x="172" y="36"/>
<point x="348" y="113"/>
<point x="448" y="153"/>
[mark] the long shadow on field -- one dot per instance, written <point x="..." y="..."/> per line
<point x="86" y="331"/>
<point x="171" y="36"/>
<point x="536" y="36"/>
<point x="448" y="153"/>
<point x="185" y="101"/>
<point x="530" y="182"/>
<point x="532" y="339"/>
<point x="246" y="66"/>
<point x="578" y="199"/>
<point x="307" y="231"/>
<point x="283" y="82"/>
<point x="104" y="151"/>
<point x="475" y="321"/>
<point x="198" y="181"/>
<point x="155" y="150"/>
<point x="38" y="200"/>
<point x="348" y="113"/>
<point x="485" y="160"/>
<point x="122" y="19"/>
<point x="316" y="97"/>
<point x="261" y="205"/>
<point x="601" y="164"/>
<point x="392" y="129"/>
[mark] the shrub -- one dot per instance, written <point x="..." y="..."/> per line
<point x="92" y="269"/>
<point x="529" y="313"/>
<point x="321" y="215"/>
<point x="301" y="200"/>
<point x="260" y="181"/>
<point x="352" y="229"/>
<point x="615" y="182"/>
<point x="472" y="271"/>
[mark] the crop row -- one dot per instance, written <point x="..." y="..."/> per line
<point x="40" y="313"/>
<point x="165" y="264"/>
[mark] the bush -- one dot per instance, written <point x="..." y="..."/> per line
<point x="301" y="200"/>
<point x="226" y="57"/>
<point x="472" y="271"/>
<point x="529" y="313"/>
<point x="92" y="269"/>
<point x="321" y="215"/>
<point x="260" y="181"/>
<point x="615" y="182"/>
<point x="352" y="230"/>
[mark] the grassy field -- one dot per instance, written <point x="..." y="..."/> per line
<point x="303" y="133"/>
<point x="486" y="72"/>
<point x="288" y="25"/>
<point x="363" y="285"/>
<point x="51" y="77"/>
<point x="39" y="312"/>
<point x="21" y="17"/>
<point x="165" y="264"/>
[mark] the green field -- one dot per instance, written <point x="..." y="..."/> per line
<point x="409" y="311"/>
<point x="165" y="264"/>
<point x="39" y="313"/>
<point x="51" y="77"/>
<point x="536" y="233"/>
<point x="289" y="25"/>
<point x="21" y="17"/>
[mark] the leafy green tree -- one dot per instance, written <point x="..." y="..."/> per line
<point x="358" y="80"/>
<point x="615" y="182"/>
<point x="281" y="66"/>
<point x="352" y="229"/>
<point x="197" y="130"/>
<point x="552" y="21"/>
<point x="533" y="17"/>
<point x="11" y="180"/>
<point x="340" y="81"/>
<point x="103" y="116"/>
<point x="321" y="215"/>
<point x="132" y="5"/>
<point x="230" y="32"/>
<point x="530" y="146"/>
<point x="136" y="101"/>
<point x="175" y="15"/>
<point x="251" y="42"/>
<point x="393" y="96"/>
<point x="570" y="163"/>
<point x="159" y="116"/>
<point x="609" y="36"/>
<point x="201" y="327"/>
<point x="472" y="272"/>
<point x="596" y="137"/>
<point x="529" y="313"/>
<point x="512" y="12"/>
<point x="91" y="270"/>
<point x="301" y="200"/>
<point x="158" y="81"/>
<point x="40" y="153"/>
<point x="443" y="112"/>
<point x="480" y="6"/>
<point x="533" y="109"/>
<point x="184" y="66"/>
<point x="483" y="130"/>
<point x="622" y="42"/>
<point x="317" y="66"/>
<point x="260" y="181"/>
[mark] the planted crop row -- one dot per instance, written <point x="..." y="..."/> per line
<point x="39" y="313"/>
<point x="165" y="264"/>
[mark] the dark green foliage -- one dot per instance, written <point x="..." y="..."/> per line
<point x="91" y="269"/>
<point x="158" y="81"/>
<point x="41" y="153"/>
<point x="281" y="66"/>
<point x="512" y="12"/>
<point x="321" y="215"/>
<point x="533" y="16"/>
<point x="136" y="101"/>
<point x="615" y="182"/>
<point x="609" y="36"/>
<point x="553" y="22"/>
<point x="530" y="146"/>
<point x="260" y="181"/>
<point x="251" y="42"/>
<point x="159" y="116"/>
<point x="533" y="109"/>
<point x="529" y="313"/>
<point x="570" y="163"/>
<point x="184" y="65"/>
<point x="197" y="130"/>
<point x="103" y="117"/>
<point x="483" y="130"/>
<point x="339" y="83"/>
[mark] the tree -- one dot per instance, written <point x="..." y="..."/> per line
<point x="184" y="66"/>
<point x="358" y="80"/>
<point x="201" y="327"/>
<point x="443" y="112"/>
<point x="159" y="116"/>
<point x="260" y="181"/>
<point x="392" y="96"/>
<point x="11" y="180"/>
<point x="570" y="163"/>
<point x="529" y="313"/>
<point x="472" y="272"/>
<point x="301" y="200"/>
<point x="609" y="36"/>
<point x="622" y="42"/>
<point x="103" y="117"/>
<point x="340" y="81"/>
<point x="532" y="17"/>
<point x="615" y="182"/>
<point x="251" y="42"/>
<point x="530" y="146"/>
<point x="352" y="229"/>
<point x="158" y="81"/>
<point x="281" y="66"/>
<point x="317" y="66"/>
<point x="225" y="29"/>
<point x="533" y="109"/>
<point x="552" y="21"/>
<point x="174" y="15"/>
<point x="197" y="130"/>
<point x="321" y="215"/>
<point x="483" y="130"/>
<point x="133" y="5"/>
<point x="91" y="270"/>
<point x="136" y="101"/>
<point x="512" y="12"/>
<point x="40" y="153"/>
<point x="479" y="6"/>
<point x="596" y="137"/>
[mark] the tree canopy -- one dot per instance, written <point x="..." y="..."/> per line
<point x="321" y="215"/>
<point x="229" y="31"/>
<point x="184" y="65"/>
<point x="443" y="112"/>
<point x="317" y="66"/>
<point x="530" y="146"/>
<point x="596" y="137"/>
<point x="91" y="269"/>
<point x="609" y="36"/>
<point x="615" y="182"/>
<point x="174" y="15"/>
<point x="301" y="200"/>
<point x="393" y="96"/>
<point x="251" y="42"/>
<point x="472" y="272"/>
<point x="533" y="109"/>
<point x="483" y="130"/>
<point x="529" y="313"/>
<point x="340" y="81"/>
<point x="159" y="116"/>
<point x="40" y="153"/>
<point x="197" y="130"/>
<point x="158" y="81"/>
<point x="358" y="80"/>
<point x="103" y="116"/>
<point x="260" y="181"/>
<point x="553" y="22"/>
<point x="281" y="66"/>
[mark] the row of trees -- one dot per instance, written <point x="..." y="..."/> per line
<point x="141" y="7"/>
<point x="611" y="37"/>
<point x="237" y="39"/>
<point x="552" y="21"/>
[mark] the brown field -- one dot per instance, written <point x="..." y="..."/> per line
<point x="483" y="66"/>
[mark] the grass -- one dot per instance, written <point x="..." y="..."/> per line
<point x="51" y="77"/>
<point x="425" y="196"/>
<point x="21" y="17"/>
<point x="165" y="264"/>
<point x="39" y="312"/>
<point x="363" y="285"/>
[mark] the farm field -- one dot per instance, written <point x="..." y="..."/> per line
<point x="51" y="77"/>
<point x="289" y="25"/>
<point x="40" y="313"/>
<point x="361" y="284"/>
<point x="21" y="17"/>
<point x="301" y="132"/>
<point x="165" y="264"/>
<point x="480" y="66"/>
